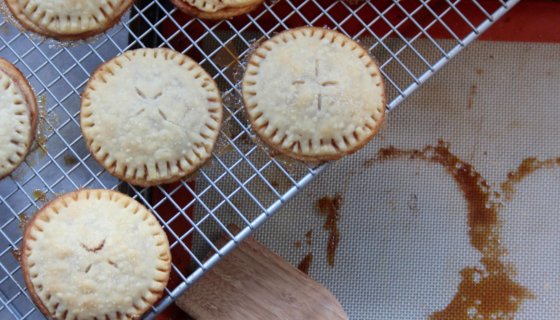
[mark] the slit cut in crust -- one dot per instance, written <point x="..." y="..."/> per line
<point x="151" y="116"/>
<point x="95" y="254"/>
<point x="313" y="94"/>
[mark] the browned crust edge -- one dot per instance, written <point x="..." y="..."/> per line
<point x="25" y="272"/>
<point x="218" y="15"/>
<point x="143" y="182"/>
<point x="31" y="102"/>
<point x="318" y="158"/>
<point x="29" y="25"/>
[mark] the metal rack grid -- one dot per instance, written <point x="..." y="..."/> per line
<point x="242" y="171"/>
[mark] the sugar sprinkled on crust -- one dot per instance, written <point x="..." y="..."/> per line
<point x="18" y="117"/>
<point x="95" y="253"/>
<point x="68" y="19"/>
<point x="151" y="116"/>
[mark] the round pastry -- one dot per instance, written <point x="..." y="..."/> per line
<point x="95" y="254"/>
<point x="68" y="19"/>
<point x="216" y="9"/>
<point x="151" y="116"/>
<point x="18" y="117"/>
<point x="313" y="94"/>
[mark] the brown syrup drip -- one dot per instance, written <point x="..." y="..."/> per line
<point x="305" y="263"/>
<point x="23" y="220"/>
<point x="309" y="237"/>
<point x="488" y="293"/>
<point x="40" y="196"/>
<point x="227" y="58"/>
<point x="70" y="160"/>
<point x="17" y="254"/>
<point x="526" y="168"/>
<point x="472" y="95"/>
<point x="329" y="207"/>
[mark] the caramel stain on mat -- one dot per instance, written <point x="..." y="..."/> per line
<point x="330" y="207"/>
<point x="527" y="167"/>
<point x="515" y="124"/>
<point x="70" y="160"/>
<point x="309" y="237"/>
<point x="40" y="196"/>
<point x="23" y="220"/>
<point x="17" y="254"/>
<point x="297" y="244"/>
<point x="484" y="293"/>
<point x="226" y="58"/>
<point x="274" y="184"/>
<point x="305" y="263"/>
<point x="472" y="95"/>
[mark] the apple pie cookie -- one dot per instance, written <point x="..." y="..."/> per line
<point x="18" y="117"/>
<point x="216" y="9"/>
<point x="151" y="116"/>
<point x="68" y="19"/>
<point x="95" y="254"/>
<point x="313" y="94"/>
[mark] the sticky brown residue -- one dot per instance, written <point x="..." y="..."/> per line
<point x="227" y="57"/>
<point x="527" y="167"/>
<point x="70" y="160"/>
<point x="305" y="263"/>
<point x="297" y="244"/>
<point x="470" y="98"/>
<point x="23" y="220"/>
<point x="17" y="254"/>
<point x="40" y="196"/>
<point x="484" y="293"/>
<point x="5" y="29"/>
<point x="309" y="237"/>
<point x="329" y="207"/>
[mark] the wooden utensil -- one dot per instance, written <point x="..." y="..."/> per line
<point x="253" y="282"/>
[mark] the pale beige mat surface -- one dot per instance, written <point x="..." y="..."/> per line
<point x="404" y="227"/>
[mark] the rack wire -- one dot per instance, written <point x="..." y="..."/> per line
<point x="243" y="172"/>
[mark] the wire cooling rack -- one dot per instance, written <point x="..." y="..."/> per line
<point x="194" y="211"/>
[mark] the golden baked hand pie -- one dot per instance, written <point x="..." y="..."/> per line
<point x="18" y="117"/>
<point x="313" y="94"/>
<point x="216" y="9"/>
<point x="95" y="254"/>
<point x="151" y="116"/>
<point x="68" y="19"/>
